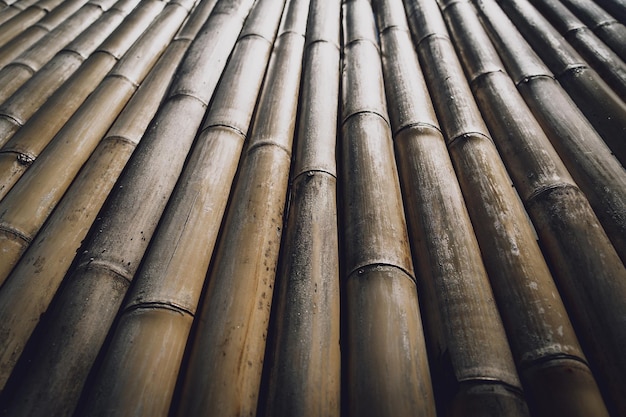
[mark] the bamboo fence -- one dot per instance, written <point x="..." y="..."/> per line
<point x="240" y="207"/>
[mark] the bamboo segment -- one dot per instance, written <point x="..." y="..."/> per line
<point x="25" y="102"/>
<point x="173" y="271"/>
<point x="14" y="8"/>
<point x="456" y="296"/>
<point x="379" y="277"/>
<point x="27" y="17"/>
<point x="604" y="109"/>
<point x="304" y="357"/>
<point x="615" y="7"/>
<point x="546" y="187"/>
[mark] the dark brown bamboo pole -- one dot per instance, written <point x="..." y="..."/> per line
<point x="384" y="352"/>
<point x="157" y="316"/>
<point x="14" y="9"/>
<point x="612" y="32"/>
<point x="600" y="104"/>
<point x="13" y="27"/>
<point x="38" y="64"/>
<point x="527" y="297"/>
<point x="546" y="188"/>
<point x="465" y="336"/>
<point x="45" y="26"/>
<point x="223" y="374"/>
<point x="79" y="320"/>
<point x="582" y="150"/>
<point x="28" y="204"/>
<point x="303" y="358"/>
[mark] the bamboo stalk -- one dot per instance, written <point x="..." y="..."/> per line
<point x="303" y="356"/>
<point x="383" y="375"/>
<point x="164" y="298"/>
<point x="457" y="301"/>
<point x="39" y="64"/>
<point x="615" y="8"/>
<point x="604" y="109"/>
<point x="14" y="8"/>
<point x="13" y="27"/>
<point x="546" y="188"/>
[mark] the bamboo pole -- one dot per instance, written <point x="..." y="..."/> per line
<point x="14" y="9"/>
<point x="583" y="252"/>
<point x="303" y="356"/>
<point x="461" y="318"/>
<point x="521" y="281"/>
<point x="384" y="376"/>
<point x="604" y="109"/>
<point x="615" y="7"/>
<point x="13" y="27"/>
<point x="133" y="377"/>
<point x="582" y="150"/>
<point x="612" y="32"/>
<point x="223" y="373"/>
<point x="94" y="289"/>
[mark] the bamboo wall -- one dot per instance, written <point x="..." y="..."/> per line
<point x="313" y="208"/>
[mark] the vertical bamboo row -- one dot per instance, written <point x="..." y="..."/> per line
<point x="385" y="358"/>
<point x="81" y="316"/>
<point x="223" y="374"/>
<point x="547" y="349"/>
<point x="139" y="371"/>
<point x="572" y="239"/>
<point x="10" y="29"/>
<point x="600" y="104"/>
<point x="304" y="356"/>
<point x="464" y="330"/>
<point x="14" y="8"/>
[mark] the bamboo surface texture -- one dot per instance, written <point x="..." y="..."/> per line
<point x="312" y="208"/>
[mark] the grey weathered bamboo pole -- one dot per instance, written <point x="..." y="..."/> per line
<point x="615" y="7"/>
<point x="600" y="104"/>
<point x="304" y="358"/>
<point x="223" y="373"/>
<point x="60" y="364"/>
<point x="157" y="316"/>
<point x="525" y="292"/>
<point x="34" y="33"/>
<point x="384" y="353"/>
<point x="10" y="29"/>
<point x="14" y="9"/>
<point x="582" y="251"/>
<point x="582" y="150"/>
<point x="612" y="32"/>
<point x="466" y="339"/>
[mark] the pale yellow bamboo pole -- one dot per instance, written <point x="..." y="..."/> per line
<point x="612" y="32"/>
<point x="384" y="353"/>
<point x="52" y="71"/>
<point x="30" y="288"/>
<point x="93" y="290"/>
<point x="156" y="318"/>
<point x="13" y="27"/>
<point x="471" y="362"/>
<point x="50" y="175"/>
<point x="573" y="242"/>
<point x="601" y="105"/>
<point x="303" y="359"/>
<point x="34" y="33"/>
<point x="547" y="349"/>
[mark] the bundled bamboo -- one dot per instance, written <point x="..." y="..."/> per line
<point x="573" y="239"/>
<point x="612" y="32"/>
<point x="164" y="297"/>
<point x="26" y="18"/>
<point x="465" y="336"/>
<point x="102" y="272"/>
<point x="385" y="362"/>
<point x="303" y="357"/>
<point x="600" y="104"/>
<point x="58" y="69"/>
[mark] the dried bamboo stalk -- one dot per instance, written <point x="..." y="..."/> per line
<point x="600" y="104"/>
<point x="303" y="357"/>
<point x="546" y="188"/>
<point x="69" y="344"/>
<point x="615" y="7"/>
<point x="10" y="29"/>
<point x="14" y="8"/>
<point x="470" y="359"/>
<point x="164" y="297"/>
<point x="583" y="151"/>
<point x="223" y="374"/>
<point x="383" y="375"/>
<point x="39" y="64"/>
<point x="521" y="280"/>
